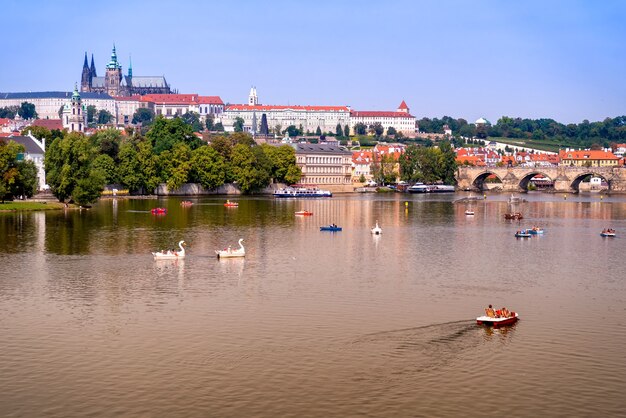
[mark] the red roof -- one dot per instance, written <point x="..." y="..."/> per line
<point x="403" y="106"/>
<point x="49" y="123"/>
<point x="5" y="134"/>
<point x="4" y="121"/>
<point x="378" y="114"/>
<point x="274" y="107"/>
<point x="362" y="157"/>
<point x="174" y="99"/>
<point x="210" y="100"/>
<point x="587" y="155"/>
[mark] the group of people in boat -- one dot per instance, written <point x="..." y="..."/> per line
<point x="608" y="231"/>
<point x="498" y="313"/>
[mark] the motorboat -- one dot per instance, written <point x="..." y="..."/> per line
<point x="535" y="230"/>
<point x="331" y="227"/>
<point x="377" y="230"/>
<point x="498" y="321"/>
<point x="159" y="211"/>
<point x="610" y="233"/>
<point x="229" y="252"/>
<point x="296" y="192"/>
<point x="524" y="233"/>
<point x="469" y="212"/>
<point x="513" y="215"/>
<point x="171" y="254"/>
<point x="418" y="188"/>
<point x="304" y="213"/>
<point x="430" y="188"/>
<point x="230" y="204"/>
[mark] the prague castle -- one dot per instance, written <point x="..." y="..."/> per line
<point x="114" y="83"/>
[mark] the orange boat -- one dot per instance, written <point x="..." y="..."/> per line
<point x="304" y="213"/>
<point x="230" y="204"/>
<point x="159" y="211"/>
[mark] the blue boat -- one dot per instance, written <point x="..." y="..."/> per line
<point x="332" y="228"/>
<point x="536" y="230"/>
<point x="524" y="233"/>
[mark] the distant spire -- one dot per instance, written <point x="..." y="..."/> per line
<point x="85" y="65"/>
<point x="93" y="68"/>
<point x="130" y="66"/>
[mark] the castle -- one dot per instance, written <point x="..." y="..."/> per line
<point x="114" y="83"/>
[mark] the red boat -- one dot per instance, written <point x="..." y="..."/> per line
<point x="230" y="204"/>
<point x="159" y="211"/>
<point x="304" y="213"/>
<point x="497" y="321"/>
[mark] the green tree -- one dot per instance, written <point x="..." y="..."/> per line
<point x="9" y="171"/>
<point x="360" y="129"/>
<point x="293" y="131"/>
<point x="69" y="169"/>
<point x="165" y="133"/>
<point x="238" y="124"/>
<point x="338" y="130"/>
<point x="27" y="111"/>
<point x="391" y="131"/>
<point x="108" y="141"/>
<point x="208" y="167"/>
<point x="447" y="164"/>
<point x="193" y="119"/>
<point x="60" y="112"/>
<point x="377" y="129"/>
<point x="143" y="115"/>
<point x="91" y="113"/>
<point x="318" y="131"/>
<point x="107" y="167"/>
<point x="283" y="163"/>
<point x="38" y="132"/>
<point x="346" y="131"/>
<point x="27" y="182"/>
<point x="175" y="165"/>
<point x="210" y="122"/>
<point x="250" y="171"/>
<point x="9" y="112"/>
<point x="219" y="127"/>
<point x="104" y="117"/>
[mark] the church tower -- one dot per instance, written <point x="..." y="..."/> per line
<point x="253" y="99"/>
<point x="113" y="76"/>
<point x="85" y="79"/>
<point x="93" y="68"/>
<point x="74" y="113"/>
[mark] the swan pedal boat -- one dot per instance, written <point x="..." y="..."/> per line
<point x="230" y="253"/>
<point x="171" y="255"/>
<point x="304" y="213"/>
<point x="497" y="322"/>
<point x="331" y="228"/>
<point x="377" y="230"/>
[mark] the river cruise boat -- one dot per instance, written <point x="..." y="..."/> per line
<point x="298" y="192"/>
<point x="430" y="188"/>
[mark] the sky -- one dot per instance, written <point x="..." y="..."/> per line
<point x="564" y="60"/>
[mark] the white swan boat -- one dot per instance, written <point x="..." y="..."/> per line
<point x="169" y="254"/>
<point x="377" y="230"/>
<point x="229" y="252"/>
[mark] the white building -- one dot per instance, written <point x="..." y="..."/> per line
<point x="125" y="108"/>
<point x="310" y="118"/>
<point x="48" y="104"/>
<point x="170" y="105"/>
<point x="35" y="150"/>
<point x="401" y="120"/>
<point x="325" y="165"/>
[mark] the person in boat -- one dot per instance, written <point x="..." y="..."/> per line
<point x="490" y="312"/>
<point x="504" y="312"/>
<point x="334" y="225"/>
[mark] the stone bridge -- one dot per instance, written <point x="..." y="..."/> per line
<point x="516" y="179"/>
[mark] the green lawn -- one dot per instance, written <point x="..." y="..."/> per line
<point x="540" y="144"/>
<point x="21" y="205"/>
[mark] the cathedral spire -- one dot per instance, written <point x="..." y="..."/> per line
<point x="85" y="63"/>
<point x="130" y="66"/>
<point x="93" y="68"/>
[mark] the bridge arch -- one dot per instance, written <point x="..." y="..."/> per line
<point x="525" y="181"/>
<point x="575" y="184"/>
<point x="479" y="181"/>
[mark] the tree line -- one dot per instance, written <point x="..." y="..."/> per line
<point x="78" y="167"/>
<point x="584" y="134"/>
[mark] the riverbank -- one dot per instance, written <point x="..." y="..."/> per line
<point x="31" y="205"/>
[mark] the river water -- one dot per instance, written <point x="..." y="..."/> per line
<point x="314" y="323"/>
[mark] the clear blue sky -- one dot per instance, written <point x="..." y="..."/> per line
<point x="560" y="59"/>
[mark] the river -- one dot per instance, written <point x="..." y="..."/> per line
<point x="314" y="323"/>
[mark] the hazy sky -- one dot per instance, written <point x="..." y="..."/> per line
<point x="559" y="59"/>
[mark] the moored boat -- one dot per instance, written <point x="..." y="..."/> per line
<point x="498" y="321"/>
<point x="469" y="212"/>
<point x="295" y="192"/>
<point x="430" y="188"/>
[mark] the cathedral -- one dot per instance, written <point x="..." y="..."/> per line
<point x="114" y="83"/>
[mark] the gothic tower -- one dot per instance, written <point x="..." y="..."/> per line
<point x="113" y="76"/>
<point x="85" y="79"/>
<point x="93" y="68"/>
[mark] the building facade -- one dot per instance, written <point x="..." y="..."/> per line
<point x="48" y="104"/>
<point x="114" y="83"/>
<point x="171" y="105"/>
<point x="324" y="165"/>
<point x="588" y="158"/>
<point x="401" y="120"/>
<point x="75" y="114"/>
